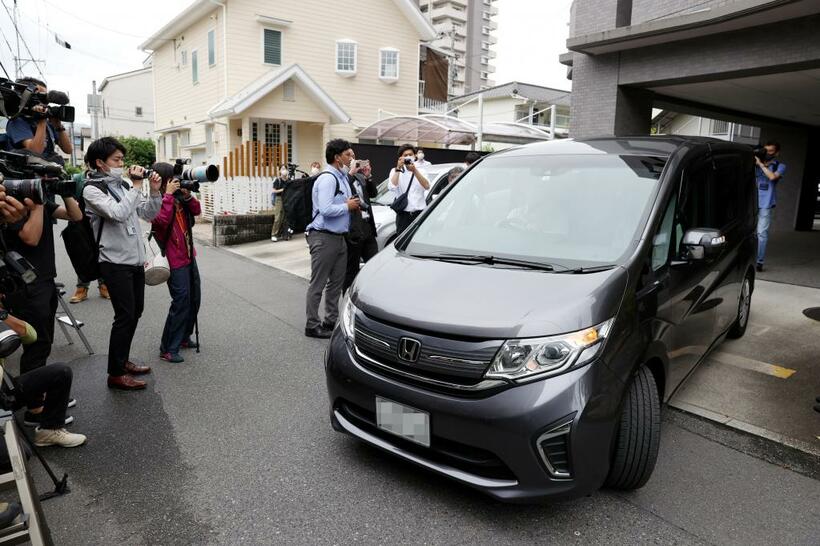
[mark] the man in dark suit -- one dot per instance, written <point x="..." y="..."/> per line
<point x="361" y="239"/>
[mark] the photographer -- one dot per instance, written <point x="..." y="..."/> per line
<point x="12" y="210"/>
<point x="277" y="196"/>
<point x="37" y="304"/>
<point x="172" y="229"/>
<point x="116" y="209"/>
<point x="768" y="174"/>
<point x="39" y="134"/>
<point x="361" y="238"/>
<point x="408" y="179"/>
<point x="52" y="382"/>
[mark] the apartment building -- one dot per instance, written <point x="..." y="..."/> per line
<point x="127" y="104"/>
<point x="465" y="32"/>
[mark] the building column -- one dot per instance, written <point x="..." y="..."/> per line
<point x="600" y="107"/>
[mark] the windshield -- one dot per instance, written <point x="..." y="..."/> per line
<point x="572" y="210"/>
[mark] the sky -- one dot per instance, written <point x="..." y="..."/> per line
<point x="104" y="36"/>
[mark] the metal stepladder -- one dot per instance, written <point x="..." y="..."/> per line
<point x="31" y="525"/>
<point x="67" y="319"/>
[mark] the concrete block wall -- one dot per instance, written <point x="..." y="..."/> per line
<point x="236" y="229"/>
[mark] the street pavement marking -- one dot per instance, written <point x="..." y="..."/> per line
<point x="753" y="365"/>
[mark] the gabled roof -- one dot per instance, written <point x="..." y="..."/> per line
<point x="200" y="8"/>
<point x="123" y="75"/>
<point x="269" y="81"/>
<point x="537" y="93"/>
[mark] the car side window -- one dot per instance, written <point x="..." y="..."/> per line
<point x="662" y="242"/>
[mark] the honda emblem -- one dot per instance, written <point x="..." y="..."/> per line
<point x="409" y="349"/>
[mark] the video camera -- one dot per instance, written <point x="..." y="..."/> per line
<point x="761" y="153"/>
<point x="26" y="175"/>
<point x="19" y="100"/>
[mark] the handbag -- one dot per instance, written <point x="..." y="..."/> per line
<point x="157" y="269"/>
<point x="400" y="203"/>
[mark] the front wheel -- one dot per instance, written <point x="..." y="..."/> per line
<point x="744" y="308"/>
<point x="639" y="434"/>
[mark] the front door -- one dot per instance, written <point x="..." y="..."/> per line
<point x="280" y="135"/>
<point x="687" y="307"/>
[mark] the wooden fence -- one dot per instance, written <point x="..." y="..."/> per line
<point x="254" y="159"/>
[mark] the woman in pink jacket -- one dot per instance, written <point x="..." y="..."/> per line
<point x="172" y="229"/>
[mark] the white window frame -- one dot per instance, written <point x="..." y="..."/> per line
<point x="281" y="45"/>
<point x="389" y="79"/>
<point x="195" y="54"/>
<point x="211" y="47"/>
<point x="347" y="73"/>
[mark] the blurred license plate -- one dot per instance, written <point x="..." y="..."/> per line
<point x="404" y="421"/>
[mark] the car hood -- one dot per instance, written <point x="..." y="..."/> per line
<point x="383" y="215"/>
<point x="480" y="301"/>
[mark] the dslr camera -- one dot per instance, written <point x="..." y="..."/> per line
<point x="761" y="153"/>
<point x="26" y="175"/>
<point x="190" y="177"/>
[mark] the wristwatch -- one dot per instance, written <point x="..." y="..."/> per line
<point x="4" y="314"/>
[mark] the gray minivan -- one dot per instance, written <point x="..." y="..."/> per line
<point x="521" y="336"/>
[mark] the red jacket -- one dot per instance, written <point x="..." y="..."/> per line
<point x="176" y="247"/>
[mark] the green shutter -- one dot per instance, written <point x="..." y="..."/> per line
<point x="273" y="46"/>
<point x="194" y="67"/>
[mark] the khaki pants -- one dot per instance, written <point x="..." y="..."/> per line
<point x="278" y="217"/>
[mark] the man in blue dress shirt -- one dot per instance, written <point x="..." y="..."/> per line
<point x="332" y="205"/>
<point x="768" y="175"/>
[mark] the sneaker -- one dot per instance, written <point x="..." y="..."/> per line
<point x="274" y="239"/>
<point x="44" y="437"/>
<point x="168" y="357"/>
<point x="9" y="512"/>
<point x="104" y="292"/>
<point x="36" y="419"/>
<point x="72" y="403"/>
<point x="81" y="294"/>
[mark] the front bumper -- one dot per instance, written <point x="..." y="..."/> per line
<point x="488" y="442"/>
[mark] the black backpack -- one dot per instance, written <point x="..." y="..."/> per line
<point x="81" y="244"/>
<point x="298" y="200"/>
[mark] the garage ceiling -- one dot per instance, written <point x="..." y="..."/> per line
<point x="792" y="96"/>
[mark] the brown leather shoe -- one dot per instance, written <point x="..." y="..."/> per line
<point x="104" y="292"/>
<point x="136" y="369"/>
<point x="125" y="382"/>
<point x="81" y="294"/>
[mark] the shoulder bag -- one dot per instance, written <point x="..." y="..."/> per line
<point x="400" y="203"/>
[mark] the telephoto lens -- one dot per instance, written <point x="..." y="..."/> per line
<point x="204" y="173"/>
<point x="24" y="189"/>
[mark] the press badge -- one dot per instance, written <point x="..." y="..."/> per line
<point x="764" y="186"/>
<point x="132" y="230"/>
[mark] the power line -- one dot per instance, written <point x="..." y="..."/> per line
<point x="20" y="36"/>
<point x="95" y="25"/>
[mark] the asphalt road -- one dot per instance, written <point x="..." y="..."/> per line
<point x="235" y="446"/>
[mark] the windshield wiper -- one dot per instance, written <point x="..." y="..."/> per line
<point x="486" y="259"/>
<point x="595" y="269"/>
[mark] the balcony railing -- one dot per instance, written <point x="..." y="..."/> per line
<point x="430" y="106"/>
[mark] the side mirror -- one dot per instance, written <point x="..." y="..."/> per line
<point x="702" y="243"/>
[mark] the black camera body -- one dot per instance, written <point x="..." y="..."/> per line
<point x="761" y="153"/>
<point x="408" y="160"/>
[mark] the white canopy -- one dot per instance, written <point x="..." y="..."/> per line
<point x="448" y="130"/>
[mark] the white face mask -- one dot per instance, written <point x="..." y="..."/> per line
<point x="420" y="156"/>
<point x="314" y="170"/>
<point x="115" y="171"/>
<point x="345" y="169"/>
<point x="283" y="174"/>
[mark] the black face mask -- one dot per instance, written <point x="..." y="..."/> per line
<point x="769" y="157"/>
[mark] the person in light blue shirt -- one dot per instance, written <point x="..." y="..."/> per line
<point x="332" y="205"/>
<point x="768" y="175"/>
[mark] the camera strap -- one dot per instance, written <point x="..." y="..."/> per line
<point x="24" y="98"/>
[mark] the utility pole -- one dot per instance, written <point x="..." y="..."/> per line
<point x="17" y="34"/>
<point x="94" y="109"/>
<point x="451" y="74"/>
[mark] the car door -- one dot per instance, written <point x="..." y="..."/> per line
<point x="686" y="309"/>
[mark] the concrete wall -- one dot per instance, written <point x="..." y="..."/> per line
<point x="649" y="10"/>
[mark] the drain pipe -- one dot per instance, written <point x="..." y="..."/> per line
<point x="224" y="43"/>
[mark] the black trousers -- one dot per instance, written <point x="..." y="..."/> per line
<point x="361" y="251"/>
<point x="404" y="219"/>
<point x="55" y="382"/>
<point x="126" y="286"/>
<point x="38" y="307"/>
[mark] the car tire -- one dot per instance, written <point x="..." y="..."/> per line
<point x="638" y="435"/>
<point x="744" y="308"/>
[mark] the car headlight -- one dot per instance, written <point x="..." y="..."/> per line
<point x="348" y="318"/>
<point x="525" y="360"/>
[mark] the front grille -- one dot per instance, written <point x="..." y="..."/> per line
<point x="474" y="460"/>
<point x="442" y="359"/>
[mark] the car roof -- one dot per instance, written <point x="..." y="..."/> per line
<point x="661" y="146"/>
